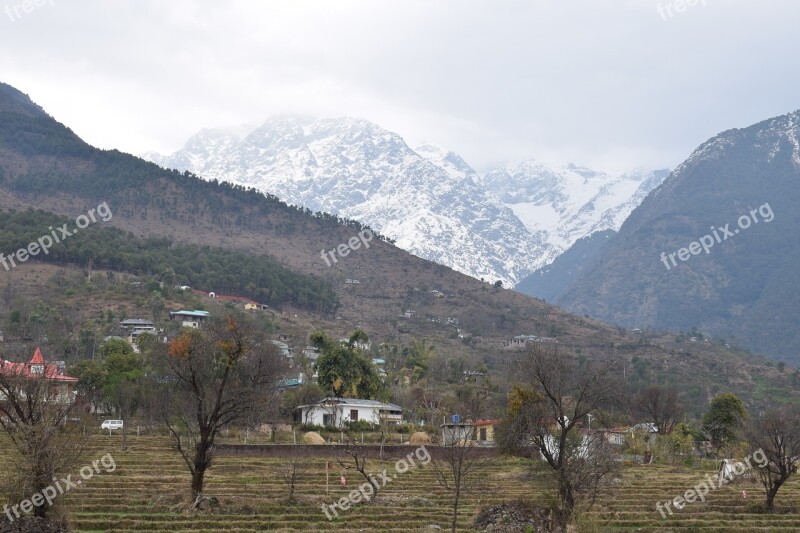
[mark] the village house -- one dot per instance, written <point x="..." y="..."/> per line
<point x="63" y="386"/>
<point x="285" y="350"/>
<point x="380" y="363"/>
<point x="484" y="431"/>
<point x="647" y="429"/>
<point x="134" y="328"/>
<point x="190" y="319"/>
<point x="358" y="344"/>
<point x="520" y="342"/>
<point x="616" y="436"/>
<point x="311" y="353"/>
<point x="456" y="431"/>
<point x="247" y="302"/>
<point x="291" y="383"/>
<point x="338" y="412"/>
<point x="133" y="338"/>
<point x="141" y="324"/>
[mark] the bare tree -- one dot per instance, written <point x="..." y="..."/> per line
<point x="548" y="414"/>
<point x="356" y="458"/>
<point x="660" y="405"/>
<point x="214" y="378"/>
<point x="290" y="471"/>
<point x="459" y="470"/>
<point x="775" y="437"/>
<point x="34" y="412"/>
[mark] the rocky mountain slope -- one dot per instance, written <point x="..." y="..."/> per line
<point x="715" y="247"/>
<point x="550" y="281"/>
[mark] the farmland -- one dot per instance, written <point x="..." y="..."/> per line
<point x="144" y="493"/>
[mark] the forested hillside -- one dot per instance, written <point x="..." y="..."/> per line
<point x="259" y="277"/>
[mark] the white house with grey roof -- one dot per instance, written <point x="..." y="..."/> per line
<point x="338" y="411"/>
<point x="133" y="324"/>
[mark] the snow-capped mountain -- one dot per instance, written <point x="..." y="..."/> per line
<point x="428" y="199"/>
<point x="568" y="202"/>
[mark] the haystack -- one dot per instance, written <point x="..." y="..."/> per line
<point x="420" y="437"/>
<point x="312" y="437"/>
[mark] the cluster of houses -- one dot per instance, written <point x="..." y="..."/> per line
<point x="330" y="411"/>
<point x="134" y="328"/>
<point x="311" y="354"/>
<point x="520" y="342"/>
<point x="246" y="302"/>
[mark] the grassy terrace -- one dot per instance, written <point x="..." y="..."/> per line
<point x="142" y="495"/>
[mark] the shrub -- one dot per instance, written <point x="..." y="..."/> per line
<point x="360" y="425"/>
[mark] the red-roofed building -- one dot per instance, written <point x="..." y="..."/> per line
<point x="37" y="367"/>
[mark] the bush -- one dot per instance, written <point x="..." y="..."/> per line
<point x="405" y="429"/>
<point x="360" y="425"/>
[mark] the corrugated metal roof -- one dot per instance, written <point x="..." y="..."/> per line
<point x="356" y="402"/>
<point x="136" y="322"/>
<point x="191" y="313"/>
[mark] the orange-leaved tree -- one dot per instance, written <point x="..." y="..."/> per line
<point x="214" y="377"/>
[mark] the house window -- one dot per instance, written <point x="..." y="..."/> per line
<point x="326" y="420"/>
<point x="483" y="434"/>
<point x="354" y="415"/>
<point x="37" y="369"/>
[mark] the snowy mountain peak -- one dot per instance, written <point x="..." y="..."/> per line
<point x="429" y="199"/>
<point x="568" y="202"/>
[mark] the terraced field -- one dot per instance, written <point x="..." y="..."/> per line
<point x="144" y="491"/>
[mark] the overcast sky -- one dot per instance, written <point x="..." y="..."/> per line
<point x="612" y="84"/>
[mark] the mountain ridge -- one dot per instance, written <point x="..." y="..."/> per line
<point x="428" y="199"/>
<point x="744" y="288"/>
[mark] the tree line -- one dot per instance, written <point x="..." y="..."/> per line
<point x="259" y="277"/>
